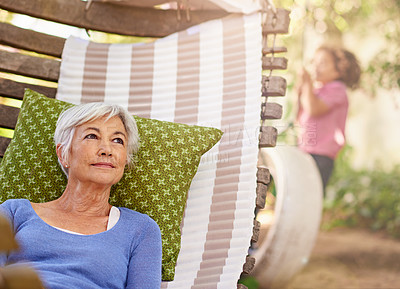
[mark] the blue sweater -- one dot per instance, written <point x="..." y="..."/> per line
<point x="126" y="256"/>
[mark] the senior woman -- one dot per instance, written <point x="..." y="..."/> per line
<point x="79" y="240"/>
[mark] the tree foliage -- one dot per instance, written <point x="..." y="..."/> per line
<point x="370" y="24"/>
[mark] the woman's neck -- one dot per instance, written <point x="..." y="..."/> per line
<point x="88" y="201"/>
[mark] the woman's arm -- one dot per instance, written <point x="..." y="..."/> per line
<point x="308" y="101"/>
<point x="144" y="270"/>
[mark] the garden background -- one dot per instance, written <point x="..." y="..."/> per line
<point x="365" y="188"/>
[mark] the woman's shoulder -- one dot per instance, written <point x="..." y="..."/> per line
<point x="14" y="207"/>
<point x="134" y="216"/>
<point x="13" y="204"/>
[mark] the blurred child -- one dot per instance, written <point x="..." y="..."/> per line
<point x="323" y="105"/>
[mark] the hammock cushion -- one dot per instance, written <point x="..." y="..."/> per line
<point x="157" y="185"/>
<point x="209" y="74"/>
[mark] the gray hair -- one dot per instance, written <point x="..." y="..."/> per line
<point x="75" y="116"/>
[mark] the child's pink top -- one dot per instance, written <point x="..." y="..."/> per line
<point x="325" y="134"/>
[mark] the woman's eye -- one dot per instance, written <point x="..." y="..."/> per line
<point x="118" y="140"/>
<point x="91" y="136"/>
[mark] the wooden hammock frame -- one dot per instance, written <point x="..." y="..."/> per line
<point x="107" y="17"/>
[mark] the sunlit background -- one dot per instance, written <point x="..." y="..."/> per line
<point x="365" y="188"/>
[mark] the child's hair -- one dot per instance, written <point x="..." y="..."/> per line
<point x="346" y="64"/>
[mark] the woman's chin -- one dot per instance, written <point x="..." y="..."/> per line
<point x="106" y="181"/>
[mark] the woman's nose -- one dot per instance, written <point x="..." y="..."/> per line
<point x="105" y="149"/>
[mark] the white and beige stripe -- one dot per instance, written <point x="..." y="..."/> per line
<point x="207" y="75"/>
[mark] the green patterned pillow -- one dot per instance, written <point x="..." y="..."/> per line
<point x="157" y="185"/>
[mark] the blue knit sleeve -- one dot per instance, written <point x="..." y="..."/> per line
<point x="144" y="270"/>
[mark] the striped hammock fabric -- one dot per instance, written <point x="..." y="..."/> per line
<point x="207" y="75"/>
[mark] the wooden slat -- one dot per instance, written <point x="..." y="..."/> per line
<point x="26" y="65"/>
<point x="108" y="17"/>
<point x="31" y="40"/>
<point x="256" y="231"/>
<point x="278" y="23"/>
<point x="273" y="86"/>
<point x="268" y="136"/>
<point x="271" y="111"/>
<point x="261" y="195"/>
<point x="269" y="63"/>
<point x="241" y="286"/>
<point x="9" y="116"/>
<point x="13" y="89"/>
<point x="263" y="176"/>
<point x="4" y="142"/>
<point x="249" y="265"/>
<point x="270" y="50"/>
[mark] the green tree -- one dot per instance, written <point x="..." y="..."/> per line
<point x="359" y="20"/>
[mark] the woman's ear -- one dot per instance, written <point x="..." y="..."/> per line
<point x="60" y="156"/>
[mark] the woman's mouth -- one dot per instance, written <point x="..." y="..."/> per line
<point x="104" y="165"/>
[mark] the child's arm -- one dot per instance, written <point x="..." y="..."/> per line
<point x="309" y="102"/>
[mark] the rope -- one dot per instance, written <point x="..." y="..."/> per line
<point x="271" y="6"/>
<point x="183" y="4"/>
<point x="268" y="6"/>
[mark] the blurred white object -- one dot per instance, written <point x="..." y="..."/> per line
<point x="296" y="218"/>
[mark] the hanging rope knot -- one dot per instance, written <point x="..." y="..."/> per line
<point x="88" y="4"/>
<point x="183" y="5"/>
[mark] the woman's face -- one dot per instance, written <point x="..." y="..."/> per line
<point x="98" y="152"/>
<point x="324" y="65"/>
